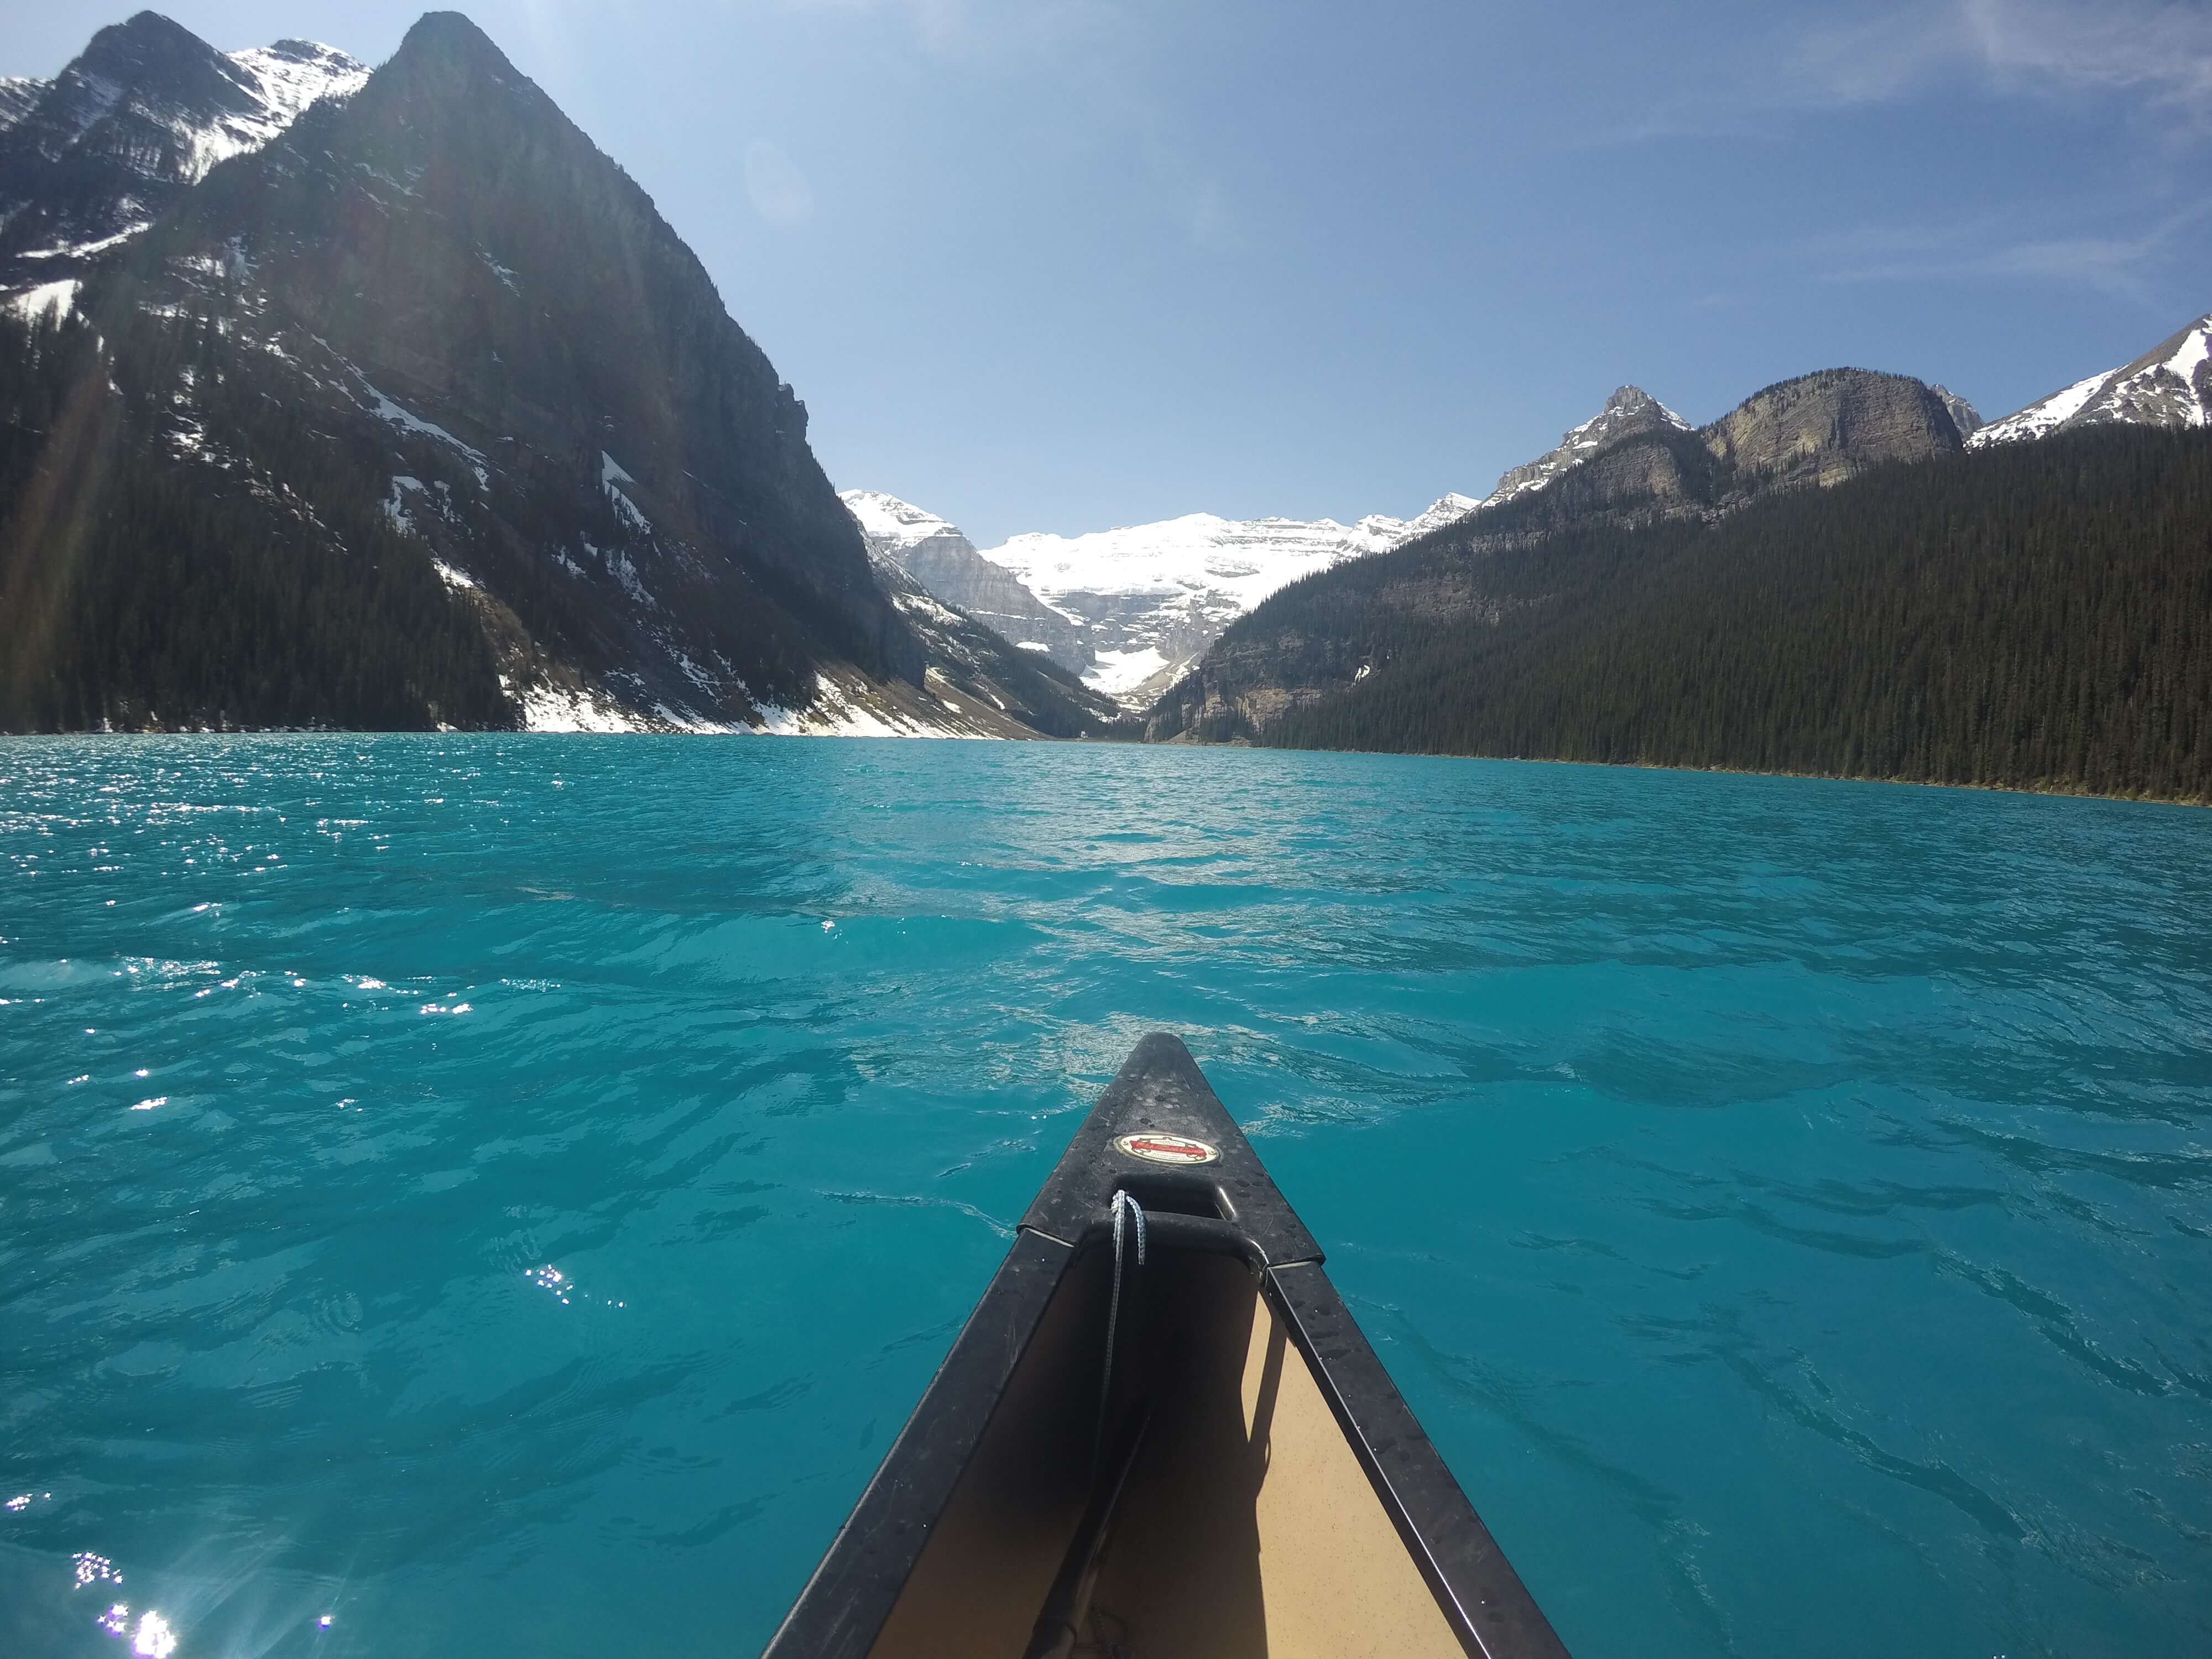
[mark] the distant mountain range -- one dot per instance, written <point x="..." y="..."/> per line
<point x="1135" y="609"/>
<point x="1129" y="609"/>
<point x="1953" y="607"/>
<point x="334" y="397"/>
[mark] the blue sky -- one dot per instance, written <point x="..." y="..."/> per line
<point x="1060" y="265"/>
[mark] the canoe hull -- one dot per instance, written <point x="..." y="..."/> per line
<point x="1254" y="1484"/>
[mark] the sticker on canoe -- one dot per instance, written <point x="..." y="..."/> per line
<point x="1158" y="1146"/>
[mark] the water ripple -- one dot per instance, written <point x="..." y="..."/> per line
<point x="502" y="1195"/>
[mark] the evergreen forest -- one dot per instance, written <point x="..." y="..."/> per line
<point x="145" y="585"/>
<point x="2031" y="616"/>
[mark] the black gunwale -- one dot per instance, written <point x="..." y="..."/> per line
<point x="851" y="1593"/>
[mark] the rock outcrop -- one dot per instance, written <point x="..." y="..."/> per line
<point x="1824" y="427"/>
<point x="1964" y="415"/>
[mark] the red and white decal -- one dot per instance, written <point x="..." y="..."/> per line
<point x="1159" y="1147"/>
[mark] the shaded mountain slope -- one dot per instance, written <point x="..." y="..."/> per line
<point x="977" y="675"/>
<point x="144" y="586"/>
<point x="439" y="298"/>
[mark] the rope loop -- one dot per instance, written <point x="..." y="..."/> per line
<point x="1125" y="1206"/>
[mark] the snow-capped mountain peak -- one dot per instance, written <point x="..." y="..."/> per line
<point x="1449" y="508"/>
<point x="1131" y="608"/>
<point x="2169" y="385"/>
<point x="1154" y="596"/>
<point x="145" y="112"/>
<point x="932" y="552"/>
<point x="891" y="525"/>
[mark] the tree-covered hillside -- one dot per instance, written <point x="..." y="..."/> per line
<point x="142" y="585"/>
<point x="2035" y="615"/>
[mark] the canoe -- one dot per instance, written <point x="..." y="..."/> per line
<point x="1160" y="1435"/>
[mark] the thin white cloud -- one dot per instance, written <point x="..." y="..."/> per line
<point x="2160" y="51"/>
<point x="777" y="189"/>
<point x="2126" y="266"/>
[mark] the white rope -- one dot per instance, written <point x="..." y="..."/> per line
<point x="1124" y="1208"/>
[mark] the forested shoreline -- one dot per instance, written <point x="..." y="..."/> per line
<point x="2030" y="617"/>
<point x="141" y="587"/>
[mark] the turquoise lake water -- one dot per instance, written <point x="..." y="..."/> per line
<point x="502" y="1195"/>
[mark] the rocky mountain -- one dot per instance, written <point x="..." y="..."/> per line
<point x="1817" y="430"/>
<point x="1629" y="411"/>
<point x="1964" y="415"/>
<point x="945" y="565"/>
<point x="1153" y="597"/>
<point x="94" y="155"/>
<point x="2169" y="385"/>
<point x="1128" y="609"/>
<point x="1448" y="508"/>
<point x="429" y="378"/>
<point x="989" y="685"/>
<point x="1824" y="427"/>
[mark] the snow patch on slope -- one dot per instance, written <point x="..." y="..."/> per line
<point x="611" y="478"/>
<point x="34" y="303"/>
<point x="2169" y="385"/>
<point x="388" y="409"/>
<point x="2039" y="419"/>
<point x="286" y="79"/>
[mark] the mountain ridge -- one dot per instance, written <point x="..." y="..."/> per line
<point x="94" y="156"/>
<point x="1814" y="429"/>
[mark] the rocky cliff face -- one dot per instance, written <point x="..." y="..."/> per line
<point x="945" y="565"/>
<point x="1964" y="415"/>
<point x="19" y="95"/>
<point x="1824" y="427"/>
<point x="438" y="303"/>
<point x="97" y="154"/>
